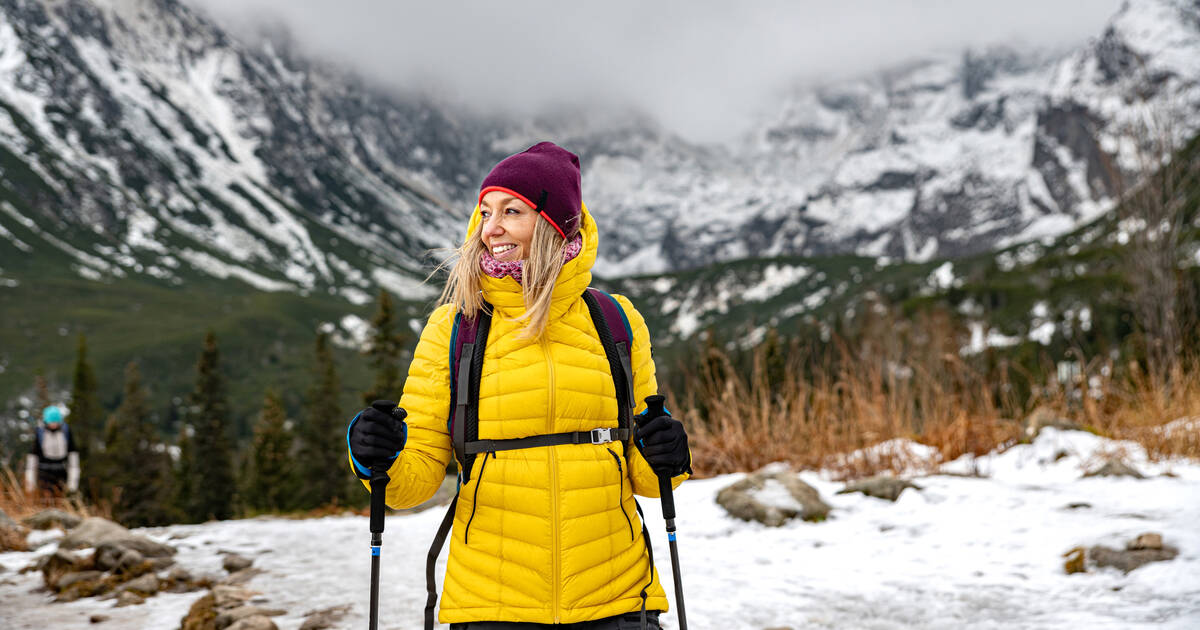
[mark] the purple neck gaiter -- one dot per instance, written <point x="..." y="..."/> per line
<point x="498" y="269"/>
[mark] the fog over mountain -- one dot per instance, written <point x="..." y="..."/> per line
<point x="699" y="68"/>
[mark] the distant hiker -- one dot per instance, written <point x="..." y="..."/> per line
<point x="531" y="380"/>
<point x="53" y="462"/>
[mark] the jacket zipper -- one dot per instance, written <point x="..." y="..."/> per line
<point x="555" y="584"/>
<point x="621" y="495"/>
<point x="475" y="498"/>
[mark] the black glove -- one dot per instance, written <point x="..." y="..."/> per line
<point x="376" y="436"/>
<point x="664" y="445"/>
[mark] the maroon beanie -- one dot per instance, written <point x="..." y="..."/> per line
<point x="545" y="176"/>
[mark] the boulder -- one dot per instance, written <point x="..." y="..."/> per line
<point x="881" y="487"/>
<point x="772" y="497"/>
<point x="233" y="615"/>
<point x="180" y="574"/>
<point x="129" y="561"/>
<point x="325" y="618"/>
<point x="95" y="531"/>
<point x="1127" y="560"/>
<point x="1115" y="468"/>
<point x="256" y="622"/>
<point x="73" y="586"/>
<point x="58" y="564"/>
<point x="241" y="577"/>
<point x="129" y="598"/>
<point x="74" y="577"/>
<point x="47" y="519"/>
<point x="234" y="563"/>
<point x="228" y="596"/>
<point x="144" y="585"/>
<point x="98" y="618"/>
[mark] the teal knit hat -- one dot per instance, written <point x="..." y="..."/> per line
<point x="52" y="414"/>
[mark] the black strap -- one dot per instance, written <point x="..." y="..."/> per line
<point x="435" y="550"/>
<point x="622" y="377"/>
<point x="595" y="436"/>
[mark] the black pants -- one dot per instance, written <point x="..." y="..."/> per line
<point x="628" y="621"/>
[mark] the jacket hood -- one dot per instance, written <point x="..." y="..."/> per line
<point x="505" y="293"/>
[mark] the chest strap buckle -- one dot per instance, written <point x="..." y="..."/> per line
<point x="603" y="436"/>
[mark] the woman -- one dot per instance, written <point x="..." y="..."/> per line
<point x="543" y="536"/>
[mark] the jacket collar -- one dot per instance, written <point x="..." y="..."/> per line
<point x="505" y="293"/>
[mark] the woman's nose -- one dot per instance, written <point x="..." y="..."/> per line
<point x="492" y="227"/>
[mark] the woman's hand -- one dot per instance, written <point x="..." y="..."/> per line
<point x="664" y="445"/>
<point x="376" y="436"/>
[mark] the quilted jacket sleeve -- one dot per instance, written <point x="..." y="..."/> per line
<point x="421" y="467"/>
<point x="645" y="482"/>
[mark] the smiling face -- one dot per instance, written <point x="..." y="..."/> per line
<point x="508" y="226"/>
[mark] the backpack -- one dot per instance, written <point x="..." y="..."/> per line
<point x="468" y="340"/>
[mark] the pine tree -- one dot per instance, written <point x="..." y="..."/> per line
<point x="270" y="485"/>
<point x="384" y="354"/>
<point x="135" y="467"/>
<point x="212" y="485"/>
<point x="322" y="434"/>
<point x="85" y="418"/>
<point x="185" y="472"/>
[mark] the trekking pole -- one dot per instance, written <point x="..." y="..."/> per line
<point x="654" y="409"/>
<point x="379" y="483"/>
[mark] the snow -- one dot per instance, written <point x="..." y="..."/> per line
<point x="965" y="551"/>
<point x="221" y="269"/>
<point x="774" y="281"/>
<point x="404" y="287"/>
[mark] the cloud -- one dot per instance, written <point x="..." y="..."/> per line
<point x="699" y="66"/>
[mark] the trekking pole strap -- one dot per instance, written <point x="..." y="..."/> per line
<point x="595" y="436"/>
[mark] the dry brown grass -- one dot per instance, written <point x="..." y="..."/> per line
<point x="819" y="419"/>
<point x="18" y="504"/>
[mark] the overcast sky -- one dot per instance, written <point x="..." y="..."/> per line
<point x="699" y="66"/>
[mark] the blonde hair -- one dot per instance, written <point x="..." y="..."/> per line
<point x="539" y="273"/>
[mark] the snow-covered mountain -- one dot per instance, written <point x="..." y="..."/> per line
<point x="936" y="158"/>
<point x="137" y="137"/>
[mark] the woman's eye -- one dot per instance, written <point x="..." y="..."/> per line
<point x="513" y="211"/>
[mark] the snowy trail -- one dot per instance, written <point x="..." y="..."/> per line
<point x="962" y="552"/>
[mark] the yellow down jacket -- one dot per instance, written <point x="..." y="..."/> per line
<point x="554" y="535"/>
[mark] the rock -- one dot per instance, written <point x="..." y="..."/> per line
<point x="234" y="563"/>
<point x="58" y="564"/>
<point x="144" y="585"/>
<point x="772" y="497"/>
<point x="1079" y="505"/>
<point x="1075" y="561"/>
<point x="1127" y="560"/>
<point x="129" y="598"/>
<point x="228" y="596"/>
<point x="99" y="618"/>
<point x="241" y="577"/>
<point x="1149" y="540"/>
<point x="1043" y="417"/>
<point x="1115" y="468"/>
<point x="159" y="564"/>
<point x="47" y="519"/>
<point x="95" y="531"/>
<point x="324" y="618"/>
<point x="129" y="561"/>
<point x="106" y="556"/>
<point x="256" y="622"/>
<point x="233" y="615"/>
<point x="180" y="574"/>
<point x="882" y="487"/>
<point x="68" y="579"/>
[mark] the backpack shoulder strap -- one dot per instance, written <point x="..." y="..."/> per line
<point x="615" y="335"/>
<point x="468" y="340"/>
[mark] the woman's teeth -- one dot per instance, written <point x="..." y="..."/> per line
<point x="502" y="249"/>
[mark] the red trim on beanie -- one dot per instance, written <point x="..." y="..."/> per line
<point x="551" y="222"/>
<point x="511" y="192"/>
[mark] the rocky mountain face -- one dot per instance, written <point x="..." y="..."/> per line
<point x="138" y="138"/>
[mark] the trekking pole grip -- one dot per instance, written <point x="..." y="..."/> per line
<point x="655" y="407"/>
